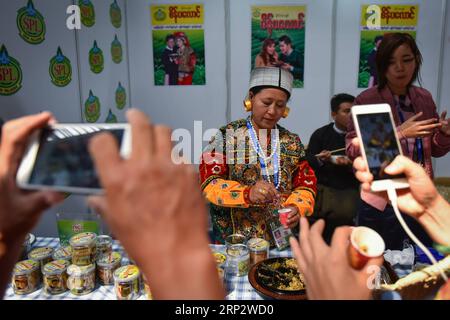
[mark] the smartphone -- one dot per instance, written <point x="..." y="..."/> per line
<point x="379" y="143"/>
<point x="57" y="158"/>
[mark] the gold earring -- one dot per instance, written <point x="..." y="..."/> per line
<point x="286" y="112"/>
<point x="247" y="105"/>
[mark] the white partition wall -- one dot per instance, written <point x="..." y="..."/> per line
<point x="309" y="105"/>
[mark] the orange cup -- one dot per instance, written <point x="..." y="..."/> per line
<point x="365" y="244"/>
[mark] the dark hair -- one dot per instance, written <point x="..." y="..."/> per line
<point x="170" y="36"/>
<point x="285" y="39"/>
<point x="340" y="98"/>
<point x="264" y="55"/>
<point x="385" y="51"/>
<point x="377" y="38"/>
<point x="258" y="89"/>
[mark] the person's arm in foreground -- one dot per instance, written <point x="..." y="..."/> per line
<point x="327" y="271"/>
<point x="19" y="210"/>
<point x="156" y="210"/>
<point x="421" y="200"/>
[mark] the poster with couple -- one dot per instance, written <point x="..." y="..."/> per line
<point x="278" y="39"/>
<point x="376" y="21"/>
<point x="178" y="44"/>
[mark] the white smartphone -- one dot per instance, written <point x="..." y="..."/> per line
<point x="379" y="143"/>
<point x="57" y="158"/>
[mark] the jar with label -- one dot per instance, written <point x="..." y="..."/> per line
<point x="26" y="277"/>
<point x="63" y="253"/>
<point x="126" y="282"/>
<point x="104" y="245"/>
<point x="81" y="279"/>
<point x="259" y="250"/>
<point x="238" y="260"/>
<point x="55" y="277"/>
<point x="106" y="266"/>
<point x="83" y="248"/>
<point x="25" y="247"/>
<point x="42" y="255"/>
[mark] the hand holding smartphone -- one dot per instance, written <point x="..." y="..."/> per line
<point x="57" y="158"/>
<point x="379" y="144"/>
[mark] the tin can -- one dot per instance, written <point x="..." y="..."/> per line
<point x="126" y="282"/>
<point x="26" y="277"/>
<point x="55" y="277"/>
<point x="259" y="250"/>
<point x="83" y="248"/>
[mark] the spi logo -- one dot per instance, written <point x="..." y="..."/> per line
<point x="31" y="24"/>
<point x="60" y="69"/>
<point x="92" y="108"/>
<point x="96" y="59"/>
<point x="10" y="74"/>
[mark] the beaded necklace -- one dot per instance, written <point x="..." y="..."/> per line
<point x="263" y="158"/>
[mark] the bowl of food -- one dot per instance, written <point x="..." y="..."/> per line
<point x="278" y="278"/>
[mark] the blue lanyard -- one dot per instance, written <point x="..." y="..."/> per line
<point x="259" y="151"/>
<point x="418" y="142"/>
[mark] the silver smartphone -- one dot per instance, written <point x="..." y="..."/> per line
<point x="379" y="143"/>
<point x="57" y="157"/>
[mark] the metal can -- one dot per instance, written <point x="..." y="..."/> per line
<point x="26" y="277"/>
<point x="126" y="282"/>
<point x="106" y="266"/>
<point x="238" y="260"/>
<point x="259" y="250"/>
<point x="83" y="248"/>
<point x="55" y="277"/>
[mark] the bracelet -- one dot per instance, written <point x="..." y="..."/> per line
<point x="445" y="250"/>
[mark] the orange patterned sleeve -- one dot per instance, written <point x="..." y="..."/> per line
<point x="216" y="188"/>
<point x="305" y="188"/>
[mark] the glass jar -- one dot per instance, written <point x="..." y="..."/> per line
<point x="259" y="250"/>
<point x="220" y="258"/>
<point x="106" y="266"/>
<point x="26" y="277"/>
<point x="55" y="277"/>
<point x="238" y="260"/>
<point x="83" y="248"/>
<point x="81" y="279"/>
<point x="235" y="238"/>
<point x="63" y="253"/>
<point x="104" y="245"/>
<point x="42" y="255"/>
<point x="126" y="282"/>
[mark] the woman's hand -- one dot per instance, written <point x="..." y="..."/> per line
<point x="263" y="192"/>
<point x="293" y="217"/>
<point x="445" y="129"/>
<point x="415" y="129"/>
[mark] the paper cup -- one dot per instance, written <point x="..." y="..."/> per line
<point x="283" y="215"/>
<point x="365" y="244"/>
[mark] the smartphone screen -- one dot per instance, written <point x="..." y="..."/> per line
<point x="63" y="158"/>
<point x="380" y="144"/>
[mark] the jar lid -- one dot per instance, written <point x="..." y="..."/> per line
<point x="257" y="244"/>
<point x="126" y="273"/>
<point x="75" y="270"/>
<point x="237" y="250"/>
<point x="82" y="239"/>
<point x="64" y="253"/>
<point x="104" y="240"/>
<point x="55" y="267"/>
<point x="40" y="253"/>
<point x="25" y="267"/>
<point x="109" y="259"/>
<point x="220" y="257"/>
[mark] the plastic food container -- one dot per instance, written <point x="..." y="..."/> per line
<point x="55" y="277"/>
<point x="238" y="260"/>
<point x="106" y="266"/>
<point x="81" y="279"/>
<point x="63" y="253"/>
<point x="126" y="282"/>
<point x="83" y="248"/>
<point x="259" y="250"/>
<point x="42" y="255"/>
<point x="104" y="245"/>
<point x="26" y="277"/>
